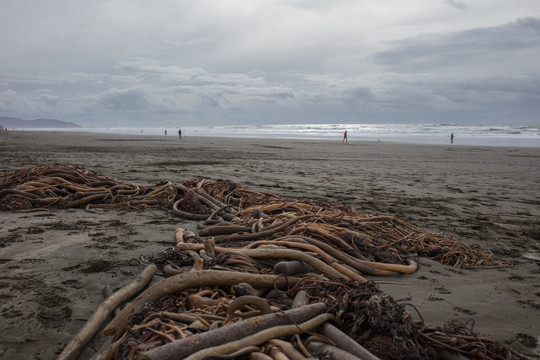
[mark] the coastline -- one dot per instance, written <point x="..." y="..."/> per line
<point x="55" y="264"/>
<point x="468" y="135"/>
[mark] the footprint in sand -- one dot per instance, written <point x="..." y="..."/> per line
<point x="53" y="310"/>
<point x="53" y="317"/>
<point x="464" y="311"/>
<point x="443" y="290"/>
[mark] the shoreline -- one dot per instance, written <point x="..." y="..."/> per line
<point x="465" y="140"/>
<point x="54" y="264"/>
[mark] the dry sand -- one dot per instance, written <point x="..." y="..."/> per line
<point x="55" y="264"/>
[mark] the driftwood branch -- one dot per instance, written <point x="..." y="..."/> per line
<point x="263" y="336"/>
<point x="93" y="324"/>
<point x="319" y="349"/>
<point x="181" y="348"/>
<point x="188" y="280"/>
<point x="288" y="349"/>
<point x="344" y="342"/>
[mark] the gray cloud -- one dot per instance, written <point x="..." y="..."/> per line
<point x="288" y="61"/>
<point x="457" y="4"/>
<point x="470" y="47"/>
<point x="125" y="99"/>
<point x="50" y="100"/>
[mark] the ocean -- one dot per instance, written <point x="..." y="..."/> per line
<point x="488" y="135"/>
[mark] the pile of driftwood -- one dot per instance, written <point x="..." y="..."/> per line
<point x="261" y="276"/>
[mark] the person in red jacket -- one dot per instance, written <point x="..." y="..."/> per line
<point x="344" y="136"/>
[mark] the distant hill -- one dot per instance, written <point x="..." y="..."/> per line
<point x="16" y="123"/>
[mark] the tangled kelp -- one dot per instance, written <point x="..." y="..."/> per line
<point x="183" y="323"/>
<point x="263" y="215"/>
<point x="207" y="313"/>
<point x="67" y="186"/>
<point x="261" y="269"/>
<point x="231" y="213"/>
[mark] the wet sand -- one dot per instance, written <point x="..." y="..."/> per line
<point x="55" y="264"/>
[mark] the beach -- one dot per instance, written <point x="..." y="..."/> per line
<point x="54" y="264"/>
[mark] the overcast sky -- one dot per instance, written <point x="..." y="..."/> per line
<point x="223" y="62"/>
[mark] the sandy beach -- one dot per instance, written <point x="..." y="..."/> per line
<point x="55" y="264"/>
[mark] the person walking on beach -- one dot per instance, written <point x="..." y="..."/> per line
<point x="180" y="133"/>
<point x="344" y="137"/>
<point x="452" y="138"/>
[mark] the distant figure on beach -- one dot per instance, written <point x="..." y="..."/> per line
<point x="452" y="138"/>
<point x="179" y="133"/>
<point x="165" y="132"/>
<point x="344" y="137"/>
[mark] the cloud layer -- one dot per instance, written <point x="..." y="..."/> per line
<point x="218" y="63"/>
